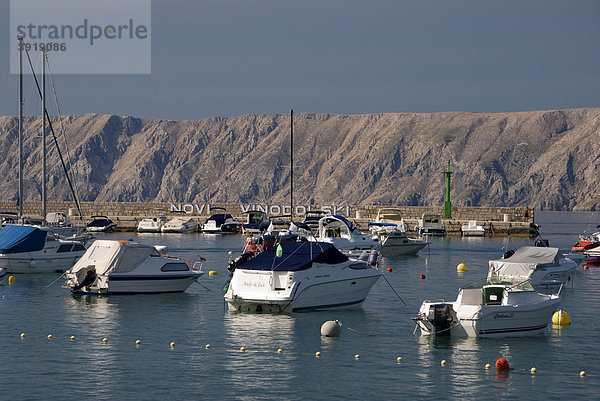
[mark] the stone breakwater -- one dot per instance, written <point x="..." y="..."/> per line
<point x="496" y="220"/>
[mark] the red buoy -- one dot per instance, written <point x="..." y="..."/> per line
<point x="502" y="364"/>
<point x="422" y="277"/>
<point x="389" y="269"/>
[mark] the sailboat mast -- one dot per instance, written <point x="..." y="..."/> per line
<point x="292" y="162"/>
<point x="43" y="133"/>
<point x="20" y="128"/>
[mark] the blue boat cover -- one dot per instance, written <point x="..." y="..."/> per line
<point x="18" y="238"/>
<point x="297" y="255"/>
<point x="99" y="223"/>
<point x="347" y="222"/>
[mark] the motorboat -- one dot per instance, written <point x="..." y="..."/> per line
<point x="395" y="241"/>
<point x="586" y="241"/>
<point x="126" y="267"/>
<point x="490" y="308"/>
<point x="151" y="224"/>
<point x="312" y="218"/>
<point x="36" y="249"/>
<point x="101" y="224"/>
<point x="255" y="219"/>
<point x="300" y="276"/>
<point x="391" y="215"/>
<point x="471" y="229"/>
<point x="221" y="223"/>
<point x="180" y="224"/>
<point x="344" y="235"/>
<point x="61" y="224"/>
<point x="543" y="266"/>
<point x="431" y="224"/>
<point x="592" y="254"/>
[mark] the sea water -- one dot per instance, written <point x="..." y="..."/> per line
<point x="36" y="367"/>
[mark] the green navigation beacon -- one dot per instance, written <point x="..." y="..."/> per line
<point x="448" y="204"/>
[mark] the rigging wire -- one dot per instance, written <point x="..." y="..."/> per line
<point x="62" y="128"/>
<point x="55" y="140"/>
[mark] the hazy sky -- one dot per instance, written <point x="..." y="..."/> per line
<point x="232" y="57"/>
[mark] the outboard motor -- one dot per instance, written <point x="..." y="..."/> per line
<point x="89" y="279"/>
<point x="440" y="316"/>
<point x="373" y="257"/>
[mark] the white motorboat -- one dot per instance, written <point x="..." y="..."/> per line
<point x="431" y="224"/>
<point x="36" y="249"/>
<point x="391" y="215"/>
<point x="300" y="276"/>
<point x="256" y="219"/>
<point x="471" y="229"/>
<point x="125" y="267"/>
<point x="221" y="223"/>
<point x="180" y="224"/>
<point x="543" y="266"/>
<point x="489" y="309"/>
<point x="151" y="224"/>
<point x="395" y="241"/>
<point x="101" y="224"/>
<point x="344" y="235"/>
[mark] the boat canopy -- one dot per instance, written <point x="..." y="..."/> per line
<point x="219" y="218"/>
<point x="295" y="256"/>
<point x="113" y="256"/>
<point x="523" y="262"/>
<point x="18" y="238"/>
<point x="328" y="220"/>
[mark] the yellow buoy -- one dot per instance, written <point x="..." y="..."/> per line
<point x="561" y="318"/>
<point x="213" y="273"/>
<point x="138" y="342"/>
<point x="72" y="338"/>
<point x="533" y="370"/>
<point x="356" y="356"/>
<point x="399" y="359"/>
<point x="207" y="346"/>
<point x="488" y="366"/>
<point x="105" y="340"/>
<point x="279" y="351"/>
<point x="317" y="354"/>
<point x="49" y="336"/>
<point x="242" y="349"/>
<point x="172" y="343"/>
<point x="461" y="267"/>
<point x="443" y="362"/>
<point x="22" y="335"/>
<point x="11" y="280"/>
<point x="582" y="373"/>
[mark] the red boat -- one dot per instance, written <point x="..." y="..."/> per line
<point x="586" y="242"/>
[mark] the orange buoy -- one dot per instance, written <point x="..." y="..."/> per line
<point x="389" y="269"/>
<point x="422" y="277"/>
<point x="585" y="267"/>
<point x="502" y="364"/>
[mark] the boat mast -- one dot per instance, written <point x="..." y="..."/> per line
<point x="292" y="163"/>
<point x="43" y="133"/>
<point x="20" y="128"/>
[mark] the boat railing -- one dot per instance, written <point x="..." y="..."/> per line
<point x="197" y="265"/>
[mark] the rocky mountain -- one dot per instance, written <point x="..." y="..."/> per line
<point x="543" y="159"/>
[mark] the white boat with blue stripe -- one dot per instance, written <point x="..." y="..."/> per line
<point x="125" y="267"/>
<point x="300" y="276"/>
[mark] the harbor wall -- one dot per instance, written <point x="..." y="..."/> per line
<point x="128" y="214"/>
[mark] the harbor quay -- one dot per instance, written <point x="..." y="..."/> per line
<point x="495" y="220"/>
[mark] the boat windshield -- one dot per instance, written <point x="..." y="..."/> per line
<point x="510" y="285"/>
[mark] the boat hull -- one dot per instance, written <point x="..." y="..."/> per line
<point x="30" y="263"/>
<point x="142" y="284"/>
<point x="300" y="293"/>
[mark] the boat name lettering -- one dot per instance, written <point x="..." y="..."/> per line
<point x="503" y="316"/>
<point x="253" y="284"/>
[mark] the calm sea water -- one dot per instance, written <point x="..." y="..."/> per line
<point x="36" y="367"/>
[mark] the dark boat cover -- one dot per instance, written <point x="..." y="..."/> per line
<point x="18" y="238"/>
<point x="295" y="256"/>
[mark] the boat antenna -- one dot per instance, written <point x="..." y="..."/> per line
<point x="20" y="128"/>
<point x="292" y="163"/>
<point x="54" y="136"/>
